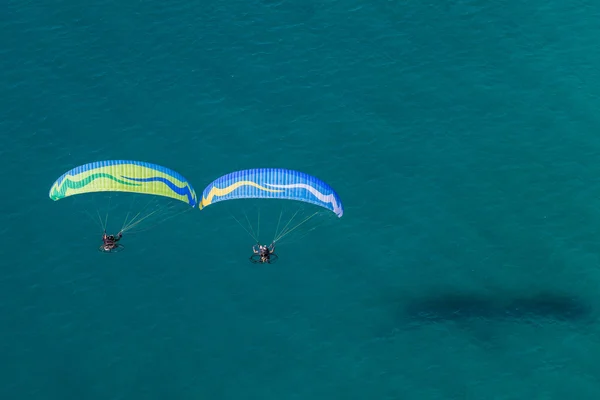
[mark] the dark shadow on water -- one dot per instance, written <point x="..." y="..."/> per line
<point x="460" y="307"/>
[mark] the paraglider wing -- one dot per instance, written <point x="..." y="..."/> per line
<point x="124" y="176"/>
<point x="272" y="184"/>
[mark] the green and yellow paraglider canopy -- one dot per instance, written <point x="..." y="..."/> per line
<point x="124" y="176"/>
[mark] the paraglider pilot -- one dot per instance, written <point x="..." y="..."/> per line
<point x="109" y="242"/>
<point x="264" y="252"/>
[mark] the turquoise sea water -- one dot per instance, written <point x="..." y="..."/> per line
<point x="463" y="139"/>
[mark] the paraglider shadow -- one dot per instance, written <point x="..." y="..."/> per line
<point x="462" y="306"/>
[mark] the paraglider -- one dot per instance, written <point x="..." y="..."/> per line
<point x="273" y="183"/>
<point x="263" y="254"/>
<point x="125" y="176"/>
<point x="110" y="243"/>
